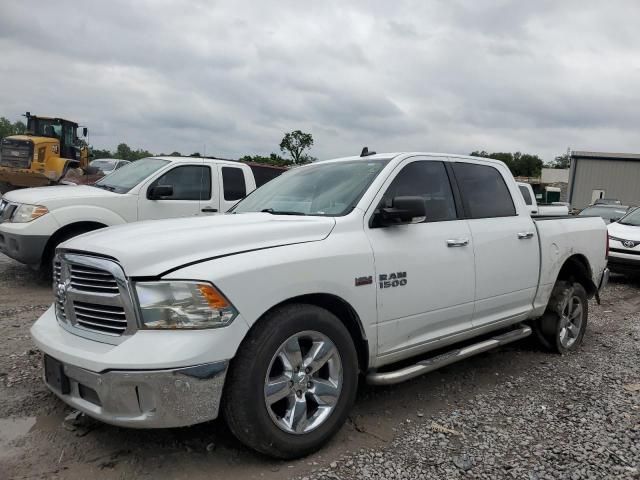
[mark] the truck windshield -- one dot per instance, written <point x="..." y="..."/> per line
<point x="632" y="218"/>
<point x="127" y="177"/>
<point x="321" y="189"/>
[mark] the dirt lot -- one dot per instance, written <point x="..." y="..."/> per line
<point x="515" y="412"/>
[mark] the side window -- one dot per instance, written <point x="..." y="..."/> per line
<point x="233" y="182"/>
<point x="525" y="194"/>
<point x="189" y="182"/>
<point x="429" y="180"/>
<point x="483" y="191"/>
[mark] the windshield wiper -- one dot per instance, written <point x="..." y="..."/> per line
<point x="105" y="187"/>
<point x="281" y="212"/>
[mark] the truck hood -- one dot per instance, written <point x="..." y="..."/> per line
<point x="153" y="247"/>
<point x="626" y="232"/>
<point x="43" y="195"/>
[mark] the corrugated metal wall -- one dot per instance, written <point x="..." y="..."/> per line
<point x="619" y="179"/>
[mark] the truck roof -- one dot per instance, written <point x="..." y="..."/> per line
<point x="392" y="155"/>
<point x="225" y="161"/>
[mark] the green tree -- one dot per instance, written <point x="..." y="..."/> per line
<point x="561" y="161"/>
<point x="295" y="143"/>
<point x="272" y="159"/>
<point x="101" y="153"/>
<point x="195" y="154"/>
<point x="7" y="128"/>
<point x="520" y="164"/>
<point x="124" y="151"/>
<point x="175" y="154"/>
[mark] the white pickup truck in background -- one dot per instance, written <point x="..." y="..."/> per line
<point x="34" y="221"/>
<point x="389" y="266"/>
<point x="540" y="209"/>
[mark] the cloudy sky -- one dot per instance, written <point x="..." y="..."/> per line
<point x="451" y="76"/>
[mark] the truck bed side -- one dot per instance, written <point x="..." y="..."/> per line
<point x="561" y="238"/>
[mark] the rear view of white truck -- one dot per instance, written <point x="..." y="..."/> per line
<point x="269" y="314"/>
<point x="540" y="209"/>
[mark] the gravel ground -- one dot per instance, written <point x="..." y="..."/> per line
<point x="573" y="417"/>
<point x="515" y="412"/>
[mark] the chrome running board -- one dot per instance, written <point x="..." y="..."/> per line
<point x="447" y="358"/>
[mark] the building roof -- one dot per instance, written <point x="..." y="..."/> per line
<point x="606" y="155"/>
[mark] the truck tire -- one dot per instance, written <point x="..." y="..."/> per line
<point x="292" y="383"/>
<point x="46" y="266"/>
<point x="561" y="329"/>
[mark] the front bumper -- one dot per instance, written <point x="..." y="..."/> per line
<point x="624" y="263"/>
<point x="23" y="248"/>
<point x="147" y="398"/>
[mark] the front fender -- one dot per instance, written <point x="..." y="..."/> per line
<point x="87" y="213"/>
<point x="257" y="281"/>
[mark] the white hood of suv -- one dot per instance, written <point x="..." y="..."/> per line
<point x="44" y="195"/>
<point x="625" y="232"/>
<point x="153" y="247"/>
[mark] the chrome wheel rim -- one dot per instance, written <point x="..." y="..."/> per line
<point x="571" y="321"/>
<point x="303" y="382"/>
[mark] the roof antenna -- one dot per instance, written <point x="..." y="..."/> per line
<point x="365" y="152"/>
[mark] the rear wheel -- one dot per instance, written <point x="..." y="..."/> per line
<point x="562" y="327"/>
<point x="292" y="383"/>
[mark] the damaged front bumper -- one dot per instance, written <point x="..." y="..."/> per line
<point x="141" y="399"/>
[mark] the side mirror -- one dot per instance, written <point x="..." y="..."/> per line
<point x="404" y="210"/>
<point x="159" y="192"/>
<point x="85" y="131"/>
<point x="90" y="170"/>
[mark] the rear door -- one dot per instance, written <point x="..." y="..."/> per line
<point x="234" y="185"/>
<point x="424" y="272"/>
<point x="505" y="243"/>
<point x="191" y="183"/>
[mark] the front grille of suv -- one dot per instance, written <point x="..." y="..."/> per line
<point x="92" y="297"/>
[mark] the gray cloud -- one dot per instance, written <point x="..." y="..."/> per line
<point x="406" y="75"/>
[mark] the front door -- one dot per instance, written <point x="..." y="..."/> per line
<point x="191" y="185"/>
<point x="424" y="271"/>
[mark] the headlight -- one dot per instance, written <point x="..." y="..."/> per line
<point x="26" y="213"/>
<point x="183" y="304"/>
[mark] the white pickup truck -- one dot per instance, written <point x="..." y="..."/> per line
<point x="540" y="209"/>
<point x="34" y="221"/>
<point x="389" y="266"/>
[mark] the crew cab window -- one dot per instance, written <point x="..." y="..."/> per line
<point x="234" y="184"/>
<point x="525" y="194"/>
<point x="428" y="180"/>
<point x="189" y="182"/>
<point x="484" y="192"/>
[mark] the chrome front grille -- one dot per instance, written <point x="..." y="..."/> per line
<point x="89" y="279"/>
<point x="103" y="318"/>
<point x="92" y="297"/>
<point x="59" y="297"/>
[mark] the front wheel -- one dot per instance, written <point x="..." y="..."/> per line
<point x="562" y="327"/>
<point x="292" y="383"/>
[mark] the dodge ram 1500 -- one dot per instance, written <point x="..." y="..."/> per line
<point x="387" y="266"/>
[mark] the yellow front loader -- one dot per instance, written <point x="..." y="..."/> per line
<point x="43" y="154"/>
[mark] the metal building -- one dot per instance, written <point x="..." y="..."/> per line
<point x="596" y="175"/>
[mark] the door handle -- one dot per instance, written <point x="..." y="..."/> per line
<point x="209" y="210"/>
<point x="459" y="242"/>
<point x="525" y="235"/>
